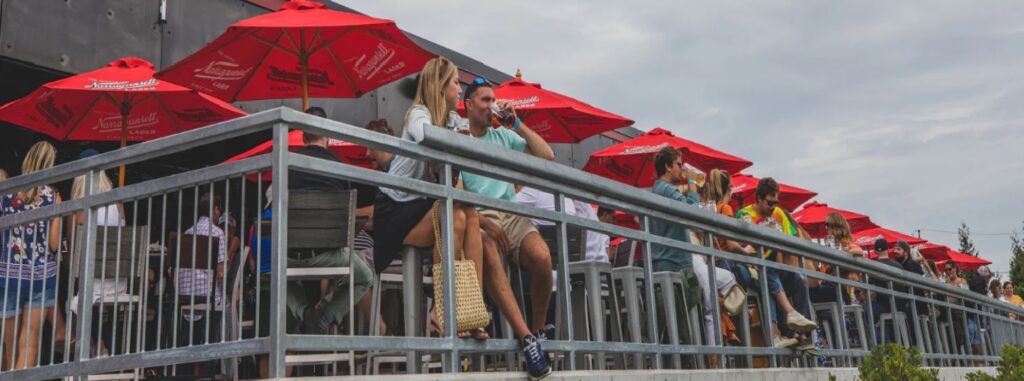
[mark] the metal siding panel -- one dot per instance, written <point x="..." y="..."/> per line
<point x="77" y="36"/>
<point x="191" y="25"/>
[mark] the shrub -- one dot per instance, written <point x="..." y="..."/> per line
<point x="1011" y="367"/>
<point x="893" y="362"/>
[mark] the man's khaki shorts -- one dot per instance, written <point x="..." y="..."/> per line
<point x="516" y="227"/>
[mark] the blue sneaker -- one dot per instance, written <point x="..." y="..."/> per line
<point x="536" y="360"/>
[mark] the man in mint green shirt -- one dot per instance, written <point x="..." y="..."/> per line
<point x="510" y="234"/>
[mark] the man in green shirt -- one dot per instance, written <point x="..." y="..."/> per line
<point x="513" y="235"/>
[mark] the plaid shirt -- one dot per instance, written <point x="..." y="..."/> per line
<point x="197" y="282"/>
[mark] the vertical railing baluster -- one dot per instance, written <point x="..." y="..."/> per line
<point x="279" y="239"/>
<point x="565" y="286"/>
<point x="652" y="313"/>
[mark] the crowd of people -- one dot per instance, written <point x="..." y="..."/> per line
<point x="488" y="238"/>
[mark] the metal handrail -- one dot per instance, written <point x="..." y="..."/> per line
<point x="450" y="150"/>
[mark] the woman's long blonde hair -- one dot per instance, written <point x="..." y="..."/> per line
<point x="41" y="156"/>
<point x="836" y="226"/>
<point x="78" y="185"/>
<point x="717" y="186"/>
<point x="430" y="89"/>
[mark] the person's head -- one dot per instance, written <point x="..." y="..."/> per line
<point x="1008" y="290"/>
<point x="78" y="185"/>
<point x="204" y="208"/>
<point x="478" y="98"/>
<point x="837" y="227"/>
<point x="668" y="164"/>
<point x="41" y="156"/>
<point x="605" y="215"/>
<point x="437" y="88"/>
<point x="901" y="250"/>
<point x="995" y="288"/>
<point x="314" y="139"/>
<point x="882" y="248"/>
<point x="767" y="194"/>
<point x="915" y="255"/>
<point x="952" y="270"/>
<point x="380" y="158"/>
<point x="717" y="186"/>
<point x="985" y="273"/>
<point x="3" y="174"/>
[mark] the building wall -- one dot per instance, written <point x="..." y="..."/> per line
<point x="62" y="37"/>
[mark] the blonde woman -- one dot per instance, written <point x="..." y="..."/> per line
<point x="406" y="219"/>
<point x="401" y="218"/>
<point x="28" y="266"/>
<point x="837" y="227"/>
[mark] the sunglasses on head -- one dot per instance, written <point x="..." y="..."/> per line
<point x="479" y="81"/>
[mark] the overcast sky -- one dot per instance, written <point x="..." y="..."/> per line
<point x="908" y="112"/>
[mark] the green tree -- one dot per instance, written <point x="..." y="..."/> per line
<point x="966" y="244"/>
<point x="1017" y="261"/>
<point x="893" y="362"/>
<point x="1011" y="367"/>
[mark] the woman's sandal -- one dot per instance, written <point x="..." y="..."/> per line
<point x="434" y="329"/>
<point x="479" y="334"/>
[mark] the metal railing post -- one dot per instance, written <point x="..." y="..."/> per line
<point x="278" y="340"/>
<point x="448" y="263"/>
<point x="565" y="286"/>
<point x="85" y="274"/>
<point x="652" y="313"/>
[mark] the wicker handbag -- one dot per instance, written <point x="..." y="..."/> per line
<point x="470" y="311"/>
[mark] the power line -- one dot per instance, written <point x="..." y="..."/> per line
<point x="972" y="233"/>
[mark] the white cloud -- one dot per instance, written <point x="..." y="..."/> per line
<point x="910" y="115"/>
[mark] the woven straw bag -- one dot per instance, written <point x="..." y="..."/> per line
<point x="470" y="310"/>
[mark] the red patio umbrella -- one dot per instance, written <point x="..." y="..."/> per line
<point x="744" y="189"/>
<point x="966" y="262"/>
<point x="632" y="161"/>
<point x="302" y="50"/>
<point x="626" y="220"/>
<point x="555" y="117"/>
<point x="350" y="153"/>
<point x="121" y="101"/>
<point x="812" y="218"/>
<point x="933" y="251"/>
<point x="867" y="238"/>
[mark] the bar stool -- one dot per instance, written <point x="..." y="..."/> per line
<point x="857" y="311"/>
<point x="629" y="282"/>
<point x="412" y="300"/>
<point x="899" y="319"/>
<point x="668" y="282"/>
<point x="590" y="302"/>
<point x="836" y="323"/>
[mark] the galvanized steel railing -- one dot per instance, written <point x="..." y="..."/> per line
<point x="140" y="328"/>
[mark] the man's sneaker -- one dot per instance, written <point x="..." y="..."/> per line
<point x="546" y="333"/>
<point x="783" y="342"/>
<point x="536" y="360"/>
<point x="807" y="346"/>
<point x="797" y="322"/>
<point x="314" y="322"/>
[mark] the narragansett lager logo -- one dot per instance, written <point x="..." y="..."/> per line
<point x="112" y="124"/>
<point x="644" y="149"/>
<point x="367" y="68"/>
<point x="99" y="84"/>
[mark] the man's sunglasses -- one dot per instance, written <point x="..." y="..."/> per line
<point x="771" y="203"/>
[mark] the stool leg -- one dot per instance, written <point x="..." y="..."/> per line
<point x="631" y="296"/>
<point x="412" y="298"/>
<point x="595" y="306"/>
<point x="580" y="323"/>
<point x="744" y="329"/>
<point x="671" y="314"/>
<point x="616" y="321"/>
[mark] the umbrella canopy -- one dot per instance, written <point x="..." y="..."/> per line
<point x="933" y="251"/>
<point x="966" y="262"/>
<point x="555" y="117"/>
<point x="302" y="50"/>
<point x="349" y="153"/>
<point x="626" y="220"/>
<point x="122" y="101"/>
<point x="812" y="218"/>
<point x="744" y="192"/>
<point x="632" y="161"/>
<point x="867" y="238"/>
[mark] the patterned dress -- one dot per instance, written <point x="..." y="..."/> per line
<point x="26" y="256"/>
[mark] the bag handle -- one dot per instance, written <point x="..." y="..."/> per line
<point x="436" y="211"/>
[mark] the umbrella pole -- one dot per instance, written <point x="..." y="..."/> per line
<point x="304" y="67"/>
<point x="124" y="142"/>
